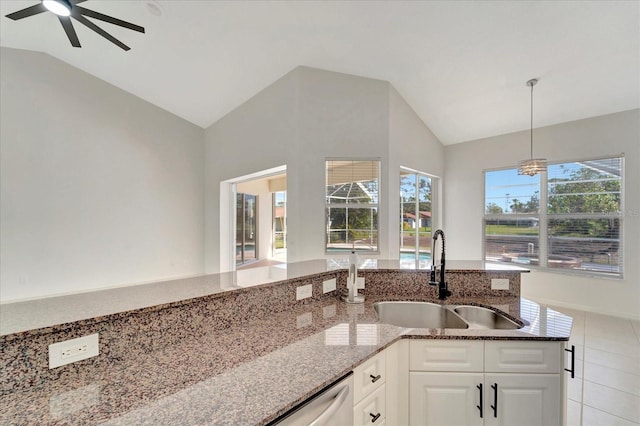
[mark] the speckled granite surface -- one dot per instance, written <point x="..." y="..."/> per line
<point x="228" y="360"/>
<point x="54" y="311"/>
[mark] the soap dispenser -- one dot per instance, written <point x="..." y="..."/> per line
<point x="352" y="295"/>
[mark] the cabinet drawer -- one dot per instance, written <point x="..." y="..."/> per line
<point x="446" y="355"/>
<point x="368" y="376"/>
<point x="522" y="357"/>
<point x="371" y="410"/>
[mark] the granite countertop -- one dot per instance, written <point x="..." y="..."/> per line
<point x="250" y="373"/>
<point x="47" y="312"/>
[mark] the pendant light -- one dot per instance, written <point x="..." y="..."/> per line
<point x="532" y="166"/>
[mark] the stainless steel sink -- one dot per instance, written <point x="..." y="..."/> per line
<point x="418" y="315"/>
<point x="479" y="317"/>
<point x="432" y="315"/>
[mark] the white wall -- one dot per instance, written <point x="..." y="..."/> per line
<point x="258" y="135"/>
<point x="411" y="145"/>
<point x="303" y="118"/>
<point x="97" y="188"/>
<point x="583" y="139"/>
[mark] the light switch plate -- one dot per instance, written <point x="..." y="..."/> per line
<point x="329" y="285"/>
<point x="73" y="350"/>
<point x="304" y="291"/>
<point x="499" y="284"/>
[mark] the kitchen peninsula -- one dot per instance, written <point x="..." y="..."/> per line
<point x="232" y="348"/>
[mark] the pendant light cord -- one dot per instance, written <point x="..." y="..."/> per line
<point x="532" y="84"/>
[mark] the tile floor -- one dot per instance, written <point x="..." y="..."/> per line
<point x="606" y="389"/>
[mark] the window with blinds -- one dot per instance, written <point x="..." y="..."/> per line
<point x="569" y="218"/>
<point x="352" y="202"/>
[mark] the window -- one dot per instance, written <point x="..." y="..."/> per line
<point x="279" y="221"/>
<point x="415" y="217"/>
<point x="351" y="204"/>
<point x="246" y="228"/>
<point x="568" y="218"/>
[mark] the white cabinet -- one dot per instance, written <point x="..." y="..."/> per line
<point x="371" y="409"/>
<point x="369" y="391"/>
<point x="444" y="399"/>
<point x="485" y="383"/>
<point x="522" y="399"/>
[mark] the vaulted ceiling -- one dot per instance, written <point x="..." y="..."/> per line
<point x="461" y="65"/>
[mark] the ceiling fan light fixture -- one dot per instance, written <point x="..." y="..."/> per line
<point x="59" y="7"/>
<point x="532" y="166"/>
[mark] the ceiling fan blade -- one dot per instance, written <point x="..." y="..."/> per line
<point x="68" y="28"/>
<point x="29" y="11"/>
<point x="84" y="21"/>
<point x="106" y="18"/>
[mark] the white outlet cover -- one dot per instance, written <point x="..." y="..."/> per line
<point x="329" y="285"/>
<point x="304" y="320"/>
<point x="75" y="350"/>
<point x="304" y="291"/>
<point x="499" y="284"/>
<point x="360" y="282"/>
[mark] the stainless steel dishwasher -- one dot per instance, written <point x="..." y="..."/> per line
<point x="333" y="406"/>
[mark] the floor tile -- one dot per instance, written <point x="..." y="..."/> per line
<point x="610" y="327"/>
<point x="636" y="328"/>
<point x="595" y="417"/>
<point x="616" y="379"/>
<point x="612" y="360"/>
<point x="612" y="401"/>
<point x="606" y="389"/>
<point x="627" y="348"/>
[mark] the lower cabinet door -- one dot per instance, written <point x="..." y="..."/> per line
<point x="522" y="399"/>
<point x="445" y="399"/>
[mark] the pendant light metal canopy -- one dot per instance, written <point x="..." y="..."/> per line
<point x="532" y="166"/>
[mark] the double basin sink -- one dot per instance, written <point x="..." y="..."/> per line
<point x="432" y="315"/>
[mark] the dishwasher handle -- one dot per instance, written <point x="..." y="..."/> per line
<point x="332" y="408"/>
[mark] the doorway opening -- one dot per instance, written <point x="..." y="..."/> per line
<point x="258" y="221"/>
<point x="246" y="228"/>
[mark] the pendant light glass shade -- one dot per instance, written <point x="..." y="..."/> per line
<point x="532" y="166"/>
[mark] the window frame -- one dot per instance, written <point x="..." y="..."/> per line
<point x="433" y="183"/>
<point x="371" y="206"/>
<point x="544" y="217"/>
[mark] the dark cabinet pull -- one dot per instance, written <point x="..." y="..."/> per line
<point x="495" y="399"/>
<point x="572" y="370"/>
<point x="374" y="378"/>
<point x="479" y="407"/>
<point x="374" y="417"/>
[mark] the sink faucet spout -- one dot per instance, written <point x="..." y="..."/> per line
<point x="443" y="290"/>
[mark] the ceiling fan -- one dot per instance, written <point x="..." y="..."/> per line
<point x="67" y="9"/>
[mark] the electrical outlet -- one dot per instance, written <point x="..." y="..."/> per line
<point x="73" y="350"/>
<point x="329" y="311"/>
<point x="360" y="282"/>
<point x="328" y="285"/>
<point x="304" y="291"/>
<point x="499" y="284"/>
<point x="304" y="320"/>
